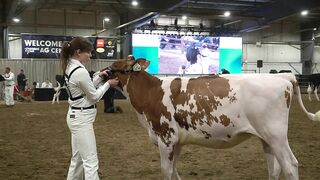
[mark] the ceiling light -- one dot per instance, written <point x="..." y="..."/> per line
<point x="227" y="13"/>
<point x="184" y="17"/>
<point x="314" y="29"/>
<point x="106" y="19"/>
<point x="304" y="13"/>
<point x="16" y="20"/>
<point x="27" y="1"/>
<point x="134" y="3"/>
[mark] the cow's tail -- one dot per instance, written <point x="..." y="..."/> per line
<point x="313" y="117"/>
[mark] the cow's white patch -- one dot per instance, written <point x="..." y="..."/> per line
<point x="143" y="120"/>
<point x="125" y="92"/>
<point x="163" y="119"/>
<point x="136" y="67"/>
<point x="165" y="86"/>
<point x="184" y="83"/>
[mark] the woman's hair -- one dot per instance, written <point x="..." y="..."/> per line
<point x="69" y="48"/>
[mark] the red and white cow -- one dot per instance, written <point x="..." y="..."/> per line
<point x="214" y="111"/>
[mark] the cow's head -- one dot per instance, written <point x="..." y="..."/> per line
<point x="123" y="68"/>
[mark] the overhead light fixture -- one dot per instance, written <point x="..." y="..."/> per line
<point x="304" y="13"/>
<point x="314" y="29"/>
<point x="16" y="20"/>
<point x="134" y="3"/>
<point x="184" y="17"/>
<point x="227" y="13"/>
<point x="106" y="19"/>
<point x="255" y="28"/>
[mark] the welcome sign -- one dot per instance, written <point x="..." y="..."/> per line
<point x="42" y="46"/>
<point x="49" y="46"/>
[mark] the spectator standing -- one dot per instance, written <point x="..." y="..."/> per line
<point x="33" y="88"/>
<point x="22" y="80"/>
<point x="9" y="87"/>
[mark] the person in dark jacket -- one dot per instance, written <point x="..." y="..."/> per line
<point x="22" y="80"/>
<point x="224" y="71"/>
<point x="108" y="99"/>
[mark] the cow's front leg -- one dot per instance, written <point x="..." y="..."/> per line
<point x="177" y="150"/>
<point x="316" y="93"/>
<point x="309" y="90"/>
<point x="168" y="155"/>
<point x="58" y="95"/>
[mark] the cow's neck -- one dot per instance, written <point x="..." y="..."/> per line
<point x="143" y="89"/>
<point x="146" y="96"/>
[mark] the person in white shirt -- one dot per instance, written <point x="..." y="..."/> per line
<point x="83" y="94"/>
<point x="46" y="84"/>
<point x="9" y="87"/>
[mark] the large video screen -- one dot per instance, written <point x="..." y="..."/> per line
<point x="175" y="54"/>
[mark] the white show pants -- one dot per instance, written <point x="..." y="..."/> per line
<point x="84" y="151"/>
<point x="8" y="95"/>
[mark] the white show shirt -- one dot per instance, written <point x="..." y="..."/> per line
<point x="9" y="79"/>
<point x="80" y="83"/>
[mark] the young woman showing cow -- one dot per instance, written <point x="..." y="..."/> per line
<point x="83" y="94"/>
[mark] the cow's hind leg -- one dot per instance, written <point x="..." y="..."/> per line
<point x="282" y="151"/>
<point x="168" y="160"/>
<point x="54" y="98"/>
<point x="274" y="167"/>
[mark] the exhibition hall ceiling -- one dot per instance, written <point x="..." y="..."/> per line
<point x="245" y="15"/>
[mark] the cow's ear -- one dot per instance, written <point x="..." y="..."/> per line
<point x="143" y="63"/>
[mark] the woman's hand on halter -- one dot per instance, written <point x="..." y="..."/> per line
<point x="113" y="82"/>
<point x="103" y="74"/>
